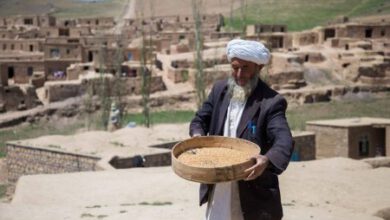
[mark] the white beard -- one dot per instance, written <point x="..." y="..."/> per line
<point x="241" y="93"/>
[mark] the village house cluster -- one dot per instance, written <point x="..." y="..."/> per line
<point x="44" y="59"/>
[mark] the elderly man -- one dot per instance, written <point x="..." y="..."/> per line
<point x="243" y="106"/>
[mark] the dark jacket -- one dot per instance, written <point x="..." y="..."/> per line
<point x="265" y="108"/>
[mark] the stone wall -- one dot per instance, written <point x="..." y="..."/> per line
<point x="150" y="160"/>
<point x="61" y="91"/>
<point x="18" y="98"/>
<point x="24" y="160"/>
<point x="305" y="146"/>
<point x="157" y="160"/>
<point x="330" y="141"/>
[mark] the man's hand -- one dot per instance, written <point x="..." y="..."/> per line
<point x="257" y="169"/>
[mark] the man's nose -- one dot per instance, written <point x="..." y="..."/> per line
<point x="239" y="73"/>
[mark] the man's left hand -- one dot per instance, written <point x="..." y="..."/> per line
<point x="257" y="169"/>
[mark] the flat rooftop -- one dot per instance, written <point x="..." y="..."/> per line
<point x="352" y="122"/>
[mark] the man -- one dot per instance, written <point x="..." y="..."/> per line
<point x="245" y="107"/>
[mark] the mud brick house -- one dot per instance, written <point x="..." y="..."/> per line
<point x="352" y="137"/>
<point x="29" y="20"/>
<point x="256" y="29"/>
<point x="60" y="53"/>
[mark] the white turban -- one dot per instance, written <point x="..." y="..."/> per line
<point x="252" y="51"/>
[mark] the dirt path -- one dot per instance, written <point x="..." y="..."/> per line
<point x="127" y="13"/>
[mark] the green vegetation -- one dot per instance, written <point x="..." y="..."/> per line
<point x="297" y="116"/>
<point x="127" y="204"/>
<point x="87" y="215"/>
<point x="92" y="207"/>
<point x="155" y="203"/>
<point x="303" y="14"/>
<point x="162" y="117"/>
<point x="3" y="190"/>
<point x="36" y="130"/>
<point x="63" y="8"/>
<point x="118" y="144"/>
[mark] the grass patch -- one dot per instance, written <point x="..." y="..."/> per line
<point x="3" y="190"/>
<point x="27" y="131"/>
<point x="93" y="207"/>
<point x="155" y="203"/>
<point x="162" y="117"/>
<point x="63" y="8"/>
<point x="87" y="215"/>
<point x="302" y="14"/>
<point x="127" y="204"/>
<point x="297" y="116"/>
<point x="118" y="144"/>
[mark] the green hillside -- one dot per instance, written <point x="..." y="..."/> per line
<point x="303" y="14"/>
<point x="297" y="14"/>
<point x="62" y="8"/>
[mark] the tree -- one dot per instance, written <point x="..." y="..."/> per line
<point x="199" y="75"/>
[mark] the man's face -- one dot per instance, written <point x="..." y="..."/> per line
<point x="244" y="71"/>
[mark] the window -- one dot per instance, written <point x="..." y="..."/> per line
<point x="12" y="47"/>
<point x="55" y="53"/>
<point x="28" y="21"/>
<point x="73" y="40"/>
<point x="364" y="146"/>
<point x="31" y="47"/>
<point x="383" y="33"/>
<point x="64" y="31"/>
<point x="368" y="33"/>
<point x="30" y="71"/>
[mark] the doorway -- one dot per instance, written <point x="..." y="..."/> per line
<point x="368" y="33"/>
<point x="330" y="33"/>
<point x="11" y="72"/>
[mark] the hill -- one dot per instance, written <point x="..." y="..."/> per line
<point x="62" y="8"/>
<point x="302" y="14"/>
<point x="297" y="14"/>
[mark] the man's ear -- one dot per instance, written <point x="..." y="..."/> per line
<point x="260" y="66"/>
